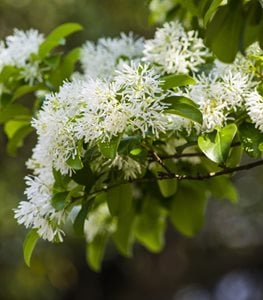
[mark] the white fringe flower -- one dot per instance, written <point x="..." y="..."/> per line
<point x="254" y="104"/>
<point x="174" y="50"/>
<point x="101" y="59"/>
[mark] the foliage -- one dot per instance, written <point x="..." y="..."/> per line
<point x="236" y="24"/>
<point x="142" y="134"/>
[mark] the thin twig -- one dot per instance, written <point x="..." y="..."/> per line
<point x="165" y="176"/>
<point x="157" y="158"/>
<point x="215" y="174"/>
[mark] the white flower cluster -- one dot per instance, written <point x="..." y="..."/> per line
<point x="108" y="54"/>
<point x="174" y="50"/>
<point x="88" y="111"/>
<point x="121" y="94"/>
<point x="17" y="49"/>
<point x="219" y="95"/>
<point x="254" y="106"/>
<point x="38" y="212"/>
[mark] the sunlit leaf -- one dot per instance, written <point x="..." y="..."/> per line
<point x="95" y="251"/>
<point x="29" y="245"/>
<point x="56" y="36"/>
<point x="188" y="207"/>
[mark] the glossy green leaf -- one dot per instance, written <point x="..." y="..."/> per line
<point x="212" y="8"/>
<point x="61" y="181"/>
<point x="8" y="73"/>
<point x="109" y="149"/>
<point x="251" y="138"/>
<point x="235" y="156"/>
<point x="184" y="107"/>
<point x="187" y="210"/>
<point x="12" y="126"/>
<point x="176" y="80"/>
<point x="17" y="139"/>
<point x="84" y="176"/>
<point x="123" y="237"/>
<point x="29" y="245"/>
<point x="56" y="36"/>
<point x="119" y="199"/>
<point x="221" y="187"/>
<point x="58" y="200"/>
<point x="226" y="135"/>
<point x="75" y="163"/>
<point x="26" y="89"/>
<point x="150" y="225"/>
<point x="224" y="32"/>
<point x="14" y="111"/>
<point x="95" y="251"/>
<point x="218" y="149"/>
<point x="81" y="217"/>
<point x="136" y="151"/>
<point x="168" y="187"/>
<point x="65" y="68"/>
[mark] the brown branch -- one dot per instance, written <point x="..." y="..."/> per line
<point x="161" y="163"/>
<point x="215" y="174"/>
<point x="182" y="155"/>
<point x="165" y="176"/>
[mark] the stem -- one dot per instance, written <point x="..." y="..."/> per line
<point x="165" y="176"/>
<point x="161" y="163"/>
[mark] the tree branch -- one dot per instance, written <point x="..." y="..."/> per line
<point x="165" y="176"/>
<point x="157" y="158"/>
<point x="215" y="174"/>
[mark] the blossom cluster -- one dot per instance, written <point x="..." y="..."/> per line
<point x="120" y="93"/>
<point x="17" y="50"/>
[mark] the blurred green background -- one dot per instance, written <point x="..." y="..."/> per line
<point x="223" y="262"/>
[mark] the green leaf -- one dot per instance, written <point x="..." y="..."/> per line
<point x="95" y="251"/>
<point x="136" y="151"/>
<point x="119" y="199"/>
<point x="109" y="149"/>
<point x="61" y="181"/>
<point x="5" y="99"/>
<point x="84" y="176"/>
<point x="14" y="111"/>
<point x="75" y="163"/>
<point x="8" y="73"/>
<point x="175" y="80"/>
<point x="56" y="36"/>
<point x="58" y="200"/>
<point x="213" y="6"/>
<point x="251" y="138"/>
<point x="222" y="188"/>
<point x="218" y="150"/>
<point x="65" y="69"/>
<point x="224" y="32"/>
<point x="17" y="139"/>
<point x="26" y="89"/>
<point x="168" y="187"/>
<point x="150" y="225"/>
<point x="12" y="126"/>
<point x="123" y="237"/>
<point x="188" y="208"/>
<point x="29" y="245"/>
<point x="69" y="62"/>
<point x="235" y="156"/>
<point x="81" y="217"/>
<point x="227" y="135"/>
<point x="184" y="107"/>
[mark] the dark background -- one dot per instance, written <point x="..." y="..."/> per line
<point x="223" y="262"/>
